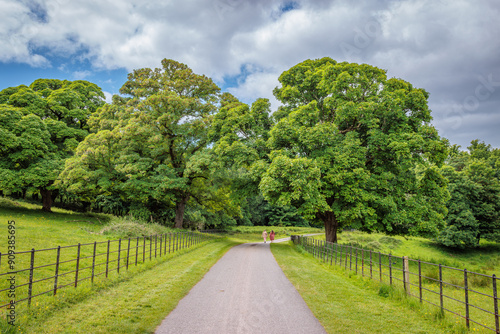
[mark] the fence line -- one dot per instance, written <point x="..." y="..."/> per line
<point x="40" y="276"/>
<point x="466" y="293"/>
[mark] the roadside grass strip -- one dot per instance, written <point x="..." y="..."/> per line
<point x="346" y="303"/>
<point x="136" y="302"/>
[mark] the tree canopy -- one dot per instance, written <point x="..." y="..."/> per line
<point x="353" y="148"/>
<point x="473" y="182"/>
<point x="151" y="147"/>
<point x="41" y="126"/>
<point x="348" y="147"/>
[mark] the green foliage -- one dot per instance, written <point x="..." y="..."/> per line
<point x="353" y="148"/>
<point x="40" y="126"/>
<point x="150" y="151"/>
<point x="473" y="210"/>
<point x="126" y="228"/>
<point x="259" y="212"/>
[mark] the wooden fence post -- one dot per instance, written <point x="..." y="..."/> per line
<point x="406" y="274"/>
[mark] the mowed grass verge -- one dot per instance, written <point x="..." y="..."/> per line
<point x="135" y="304"/>
<point x="346" y="303"/>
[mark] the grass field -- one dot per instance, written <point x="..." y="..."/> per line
<point x="345" y="303"/>
<point x="37" y="229"/>
<point x="480" y="263"/>
<point x="132" y="302"/>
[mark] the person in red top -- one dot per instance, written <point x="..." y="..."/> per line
<point x="271" y="235"/>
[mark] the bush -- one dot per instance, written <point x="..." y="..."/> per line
<point x="132" y="229"/>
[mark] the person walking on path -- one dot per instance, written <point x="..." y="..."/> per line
<point x="271" y="236"/>
<point x="264" y="236"/>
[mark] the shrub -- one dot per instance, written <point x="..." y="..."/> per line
<point x="131" y="229"/>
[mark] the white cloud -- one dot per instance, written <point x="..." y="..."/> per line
<point x="80" y="75"/>
<point x="260" y="84"/>
<point x="15" y="36"/>
<point x="442" y="45"/>
<point x="108" y="97"/>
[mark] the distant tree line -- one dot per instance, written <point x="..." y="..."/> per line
<point x="347" y="147"/>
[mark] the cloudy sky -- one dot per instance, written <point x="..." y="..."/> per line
<point x="451" y="48"/>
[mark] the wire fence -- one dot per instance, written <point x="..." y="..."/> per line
<point x="468" y="295"/>
<point x="46" y="271"/>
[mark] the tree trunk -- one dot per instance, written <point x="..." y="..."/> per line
<point x="331" y="226"/>
<point x="46" y="199"/>
<point x="179" y="212"/>
<point x="53" y="194"/>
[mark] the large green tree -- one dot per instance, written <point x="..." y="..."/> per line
<point x="152" y="145"/>
<point x="352" y="147"/>
<point x="41" y="126"/>
<point x="474" y="206"/>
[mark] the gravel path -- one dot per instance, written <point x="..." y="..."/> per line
<point x="244" y="292"/>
